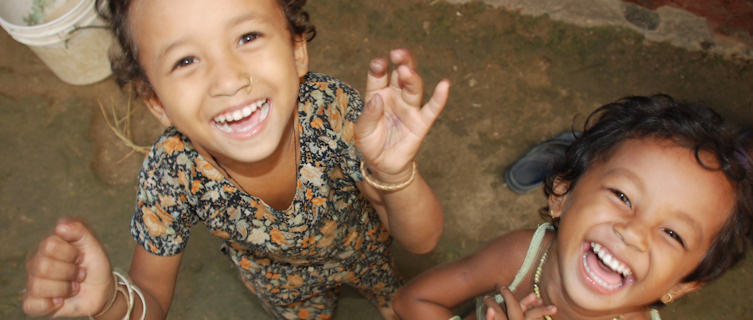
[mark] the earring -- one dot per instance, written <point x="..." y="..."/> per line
<point x="667" y="298"/>
<point x="551" y="213"/>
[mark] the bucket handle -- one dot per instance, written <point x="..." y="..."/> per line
<point x="79" y="28"/>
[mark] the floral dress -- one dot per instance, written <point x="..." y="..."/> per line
<point x="295" y="259"/>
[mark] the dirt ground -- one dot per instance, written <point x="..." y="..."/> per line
<point x="517" y="81"/>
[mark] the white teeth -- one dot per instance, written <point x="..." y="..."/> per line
<point x="237" y="115"/>
<point x="597" y="279"/>
<point x="264" y="111"/>
<point x="242" y="113"/>
<point x="610" y="261"/>
<point x="247" y="112"/>
<point x="224" y="128"/>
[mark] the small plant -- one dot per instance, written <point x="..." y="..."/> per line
<point x="36" y="14"/>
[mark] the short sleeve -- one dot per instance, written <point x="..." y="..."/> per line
<point x="330" y="109"/>
<point x="163" y="216"/>
<point x="351" y="157"/>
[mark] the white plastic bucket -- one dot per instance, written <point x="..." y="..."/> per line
<point x="68" y="36"/>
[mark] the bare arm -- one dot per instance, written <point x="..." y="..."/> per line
<point x="434" y="293"/>
<point x="155" y="276"/>
<point x="389" y="134"/>
<point x="70" y="276"/>
<point x="412" y="215"/>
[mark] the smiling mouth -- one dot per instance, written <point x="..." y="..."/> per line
<point x="606" y="271"/>
<point x="243" y="119"/>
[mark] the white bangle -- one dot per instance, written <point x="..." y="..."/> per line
<point x="131" y="289"/>
<point x="388" y="187"/>
<point x="115" y="290"/>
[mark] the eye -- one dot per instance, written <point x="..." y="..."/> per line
<point x="248" y="37"/>
<point x="674" y="236"/>
<point x="184" y="62"/>
<point x="622" y="197"/>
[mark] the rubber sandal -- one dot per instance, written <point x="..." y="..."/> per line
<point x="528" y="172"/>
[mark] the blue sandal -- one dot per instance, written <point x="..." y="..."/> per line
<point x="528" y="172"/>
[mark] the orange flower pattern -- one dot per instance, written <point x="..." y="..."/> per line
<point x="295" y="260"/>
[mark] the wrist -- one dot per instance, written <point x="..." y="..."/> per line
<point x="389" y="181"/>
<point x="111" y="294"/>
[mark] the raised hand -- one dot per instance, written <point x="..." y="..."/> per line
<point x="394" y="123"/>
<point x="529" y="308"/>
<point x="69" y="275"/>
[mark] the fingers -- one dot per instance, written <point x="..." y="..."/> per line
<point x="530" y="301"/>
<point x="369" y="119"/>
<point x="403" y="77"/>
<point x="37" y="307"/>
<point x="66" y="264"/>
<point x="74" y="231"/>
<point x="403" y="57"/>
<point x="514" y="309"/>
<point x="530" y="307"/>
<point x="431" y="110"/>
<point x="46" y="288"/>
<point x="55" y="247"/>
<point x="51" y="268"/>
<point x="493" y="309"/>
<point x="412" y="85"/>
<point x="376" y="78"/>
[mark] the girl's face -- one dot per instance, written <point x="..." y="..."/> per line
<point x="225" y="73"/>
<point x="636" y="224"/>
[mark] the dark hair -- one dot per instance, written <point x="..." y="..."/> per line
<point x="124" y="62"/>
<point x="691" y="126"/>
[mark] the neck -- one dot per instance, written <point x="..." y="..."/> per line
<point x="283" y="158"/>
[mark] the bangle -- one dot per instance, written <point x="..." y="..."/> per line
<point x="128" y="292"/>
<point x="132" y="289"/>
<point x="388" y="187"/>
<point x="116" y="288"/>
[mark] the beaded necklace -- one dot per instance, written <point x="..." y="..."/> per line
<point x="537" y="282"/>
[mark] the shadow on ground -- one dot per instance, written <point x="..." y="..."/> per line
<point x="516" y="81"/>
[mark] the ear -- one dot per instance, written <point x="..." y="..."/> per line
<point x="158" y="110"/>
<point x="301" y="55"/>
<point x="558" y="198"/>
<point x="680" y="290"/>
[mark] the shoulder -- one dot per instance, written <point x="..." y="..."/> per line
<point x="328" y="107"/>
<point x="320" y="91"/>
<point x="323" y="82"/>
<point x="170" y="160"/>
<point x="170" y="144"/>
<point x="509" y="248"/>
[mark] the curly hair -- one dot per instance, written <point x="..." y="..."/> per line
<point x="691" y="126"/>
<point x="124" y="62"/>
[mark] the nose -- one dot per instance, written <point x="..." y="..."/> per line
<point x="227" y="76"/>
<point x="633" y="234"/>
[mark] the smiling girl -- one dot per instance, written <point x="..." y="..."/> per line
<point x="650" y="203"/>
<point x="267" y="155"/>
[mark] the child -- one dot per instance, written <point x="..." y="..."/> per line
<point x="264" y="154"/>
<point x="652" y="201"/>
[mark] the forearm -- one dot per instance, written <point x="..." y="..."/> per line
<point x="120" y="307"/>
<point x="414" y="216"/>
<point x="409" y="307"/>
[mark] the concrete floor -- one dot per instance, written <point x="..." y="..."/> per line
<point x="517" y="80"/>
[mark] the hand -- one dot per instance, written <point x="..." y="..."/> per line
<point x="529" y="308"/>
<point x="393" y="123"/>
<point x="69" y="275"/>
